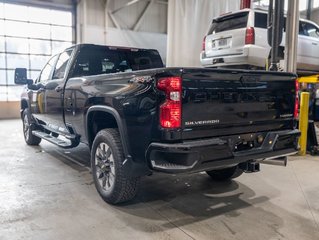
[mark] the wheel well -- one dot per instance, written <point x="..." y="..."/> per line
<point x="97" y="121"/>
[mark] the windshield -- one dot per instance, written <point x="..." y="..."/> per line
<point x="229" y="22"/>
<point x="94" y="60"/>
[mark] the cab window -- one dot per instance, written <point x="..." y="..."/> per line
<point x="311" y="30"/>
<point x="45" y="74"/>
<point x="59" y="71"/>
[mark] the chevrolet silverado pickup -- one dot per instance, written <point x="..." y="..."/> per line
<point x="139" y="117"/>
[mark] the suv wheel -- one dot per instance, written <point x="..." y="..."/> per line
<point x="28" y="127"/>
<point x="225" y="174"/>
<point x="106" y="160"/>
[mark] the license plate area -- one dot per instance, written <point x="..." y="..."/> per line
<point x="221" y="43"/>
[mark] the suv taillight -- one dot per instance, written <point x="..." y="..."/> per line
<point x="171" y="109"/>
<point x="296" y="108"/>
<point x="250" y="35"/>
<point x="204" y="44"/>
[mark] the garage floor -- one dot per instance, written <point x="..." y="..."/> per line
<point x="47" y="193"/>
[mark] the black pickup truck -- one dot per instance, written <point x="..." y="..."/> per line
<point x="138" y="116"/>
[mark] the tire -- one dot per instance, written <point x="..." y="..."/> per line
<point x="107" y="169"/>
<point x="225" y="174"/>
<point x="28" y="127"/>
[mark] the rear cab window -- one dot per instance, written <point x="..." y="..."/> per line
<point x="229" y="22"/>
<point x="94" y="60"/>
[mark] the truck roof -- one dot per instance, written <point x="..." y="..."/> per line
<point x="80" y="45"/>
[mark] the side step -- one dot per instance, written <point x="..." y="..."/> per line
<point x="61" y="143"/>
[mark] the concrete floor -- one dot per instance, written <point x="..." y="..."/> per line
<point x="47" y="193"/>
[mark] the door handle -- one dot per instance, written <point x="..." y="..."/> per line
<point x="314" y="43"/>
<point x="58" y="89"/>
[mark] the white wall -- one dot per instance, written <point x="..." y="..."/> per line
<point x="95" y="26"/>
<point x="188" y="22"/>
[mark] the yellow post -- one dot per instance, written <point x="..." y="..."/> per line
<point x="303" y="122"/>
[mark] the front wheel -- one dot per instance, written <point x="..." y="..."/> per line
<point x="107" y="168"/>
<point x="28" y="127"/>
<point x="225" y="174"/>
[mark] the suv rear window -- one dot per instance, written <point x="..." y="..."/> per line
<point x="229" y="22"/>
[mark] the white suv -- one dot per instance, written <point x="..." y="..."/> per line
<point x="239" y="39"/>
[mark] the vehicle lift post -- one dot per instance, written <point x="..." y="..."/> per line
<point x="304" y="112"/>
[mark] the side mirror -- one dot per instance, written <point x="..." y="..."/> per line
<point x="20" y="76"/>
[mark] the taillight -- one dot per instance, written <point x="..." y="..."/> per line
<point x="296" y="108"/>
<point x="204" y="44"/>
<point x="250" y="35"/>
<point x="171" y="110"/>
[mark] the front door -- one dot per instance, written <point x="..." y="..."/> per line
<point x="53" y="92"/>
<point x="37" y="94"/>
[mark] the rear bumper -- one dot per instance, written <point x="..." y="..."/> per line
<point x="249" y="55"/>
<point x="217" y="153"/>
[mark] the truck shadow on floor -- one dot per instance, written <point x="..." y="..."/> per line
<point x="196" y="203"/>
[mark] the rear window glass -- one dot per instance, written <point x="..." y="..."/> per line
<point x="229" y="22"/>
<point x="101" y="60"/>
<point x="260" y="20"/>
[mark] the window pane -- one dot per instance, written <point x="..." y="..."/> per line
<point x="61" y="64"/>
<point x="38" y="62"/>
<point x="1" y="10"/>
<point x="34" y="75"/>
<point x="17" y="45"/>
<point x="2" y="77"/>
<point x="40" y="47"/>
<point x="61" y="18"/>
<point x="16" y="29"/>
<point x="16" y="12"/>
<point x="39" y="31"/>
<point x="316" y="3"/>
<point x="10" y="77"/>
<point x="59" y="46"/>
<point x="14" y="93"/>
<point x="62" y="33"/>
<point x="1" y="27"/>
<point x="2" y="60"/>
<point x="48" y="69"/>
<point x="1" y="44"/>
<point x="312" y="30"/>
<point x="17" y="61"/>
<point x="39" y="15"/>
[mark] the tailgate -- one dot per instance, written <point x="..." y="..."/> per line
<point x="226" y="102"/>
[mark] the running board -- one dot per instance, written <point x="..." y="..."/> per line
<point x="59" y="142"/>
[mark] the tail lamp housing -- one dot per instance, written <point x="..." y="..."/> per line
<point x="171" y="110"/>
<point x="250" y="35"/>
<point x="204" y="44"/>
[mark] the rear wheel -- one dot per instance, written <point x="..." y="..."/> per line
<point x="225" y="174"/>
<point x="107" y="168"/>
<point x="28" y="127"/>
